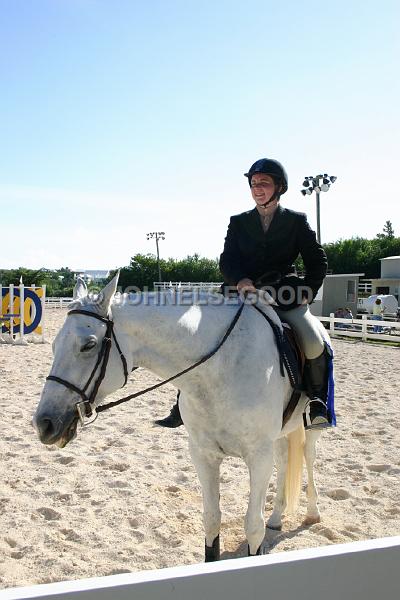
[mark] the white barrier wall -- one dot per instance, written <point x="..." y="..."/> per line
<point x="356" y="571"/>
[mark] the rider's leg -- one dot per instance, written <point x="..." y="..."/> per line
<point x="310" y="334"/>
<point x="174" y="418"/>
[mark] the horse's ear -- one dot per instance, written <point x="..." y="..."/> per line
<point x="80" y="289"/>
<point x="107" y="294"/>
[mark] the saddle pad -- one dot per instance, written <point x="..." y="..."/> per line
<point x="295" y="354"/>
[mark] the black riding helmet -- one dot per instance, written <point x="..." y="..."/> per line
<point x="271" y="167"/>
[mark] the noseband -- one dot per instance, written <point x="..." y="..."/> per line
<point x="85" y="407"/>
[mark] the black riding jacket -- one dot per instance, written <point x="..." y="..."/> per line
<point x="251" y="252"/>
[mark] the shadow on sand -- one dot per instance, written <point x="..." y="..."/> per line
<point x="271" y="540"/>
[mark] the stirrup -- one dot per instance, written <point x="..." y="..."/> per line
<point x="315" y="415"/>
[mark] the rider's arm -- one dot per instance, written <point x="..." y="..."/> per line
<point x="230" y="262"/>
<point x="313" y="255"/>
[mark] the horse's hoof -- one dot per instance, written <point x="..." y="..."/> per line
<point x="261" y="550"/>
<point x="311" y="521"/>
<point x="212" y="552"/>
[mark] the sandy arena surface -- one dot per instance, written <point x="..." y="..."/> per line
<point x="123" y="496"/>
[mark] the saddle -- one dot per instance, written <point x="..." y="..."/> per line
<point x="296" y="355"/>
<point x="295" y="362"/>
<point x="292" y="359"/>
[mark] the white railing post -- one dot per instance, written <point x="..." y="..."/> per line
<point x="332" y="323"/>
<point x="364" y="329"/>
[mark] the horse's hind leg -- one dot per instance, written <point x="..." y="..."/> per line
<point x="313" y="515"/>
<point x="260" y="468"/>
<point x="281" y="460"/>
<point x="207" y="467"/>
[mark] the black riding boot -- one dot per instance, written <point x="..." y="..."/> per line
<point x="174" y="418"/>
<point x="316" y="382"/>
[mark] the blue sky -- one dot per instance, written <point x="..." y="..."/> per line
<point x="122" y="117"/>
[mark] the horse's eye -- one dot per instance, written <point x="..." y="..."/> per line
<point x="88" y="346"/>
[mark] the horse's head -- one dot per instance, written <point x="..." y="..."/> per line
<point x="80" y="350"/>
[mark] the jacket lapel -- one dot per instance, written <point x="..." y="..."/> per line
<point x="253" y="224"/>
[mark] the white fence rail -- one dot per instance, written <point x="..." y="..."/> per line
<point x="53" y="302"/>
<point x="362" y="328"/>
<point x="358" y="571"/>
<point x="187" y="285"/>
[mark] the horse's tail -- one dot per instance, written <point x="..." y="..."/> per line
<point x="294" y="471"/>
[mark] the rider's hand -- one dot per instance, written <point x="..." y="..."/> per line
<point x="245" y="285"/>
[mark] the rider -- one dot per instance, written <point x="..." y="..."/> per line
<point x="260" y="247"/>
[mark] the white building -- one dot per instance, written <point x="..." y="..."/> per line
<point x="337" y="291"/>
<point x="90" y="275"/>
<point x="389" y="281"/>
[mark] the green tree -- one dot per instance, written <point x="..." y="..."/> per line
<point x="360" y="255"/>
<point x="143" y="270"/>
<point x="58" y="283"/>
<point x="388" y="231"/>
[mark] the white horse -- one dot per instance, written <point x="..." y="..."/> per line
<point x="231" y="405"/>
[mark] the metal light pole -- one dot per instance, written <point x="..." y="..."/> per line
<point x="312" y="184"/>
<point x="157" y="235"/>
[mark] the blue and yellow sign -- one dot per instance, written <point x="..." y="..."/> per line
<point x="32" y="310"/>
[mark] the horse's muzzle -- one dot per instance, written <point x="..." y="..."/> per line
<point x="54" y="430"/>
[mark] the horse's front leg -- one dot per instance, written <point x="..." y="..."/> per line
<point x="207" y="465"/>
<point x="260" y="466"/>
<point x="313" y="514"/>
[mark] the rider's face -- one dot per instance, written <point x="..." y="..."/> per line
<point x="262" y="190"/>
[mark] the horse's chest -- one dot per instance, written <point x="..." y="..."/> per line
<point x="230" y="436"/>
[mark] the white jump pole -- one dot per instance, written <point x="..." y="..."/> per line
<point x="21" y="311"/>
<point x="11" y="309"/>
<point x="43" y="301"/>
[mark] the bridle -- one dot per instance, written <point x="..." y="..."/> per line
<point x="86" y="407"/>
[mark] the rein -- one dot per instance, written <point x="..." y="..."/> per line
<point x="85" y="408"/>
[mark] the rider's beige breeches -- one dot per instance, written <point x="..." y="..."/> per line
<point x="308" y="328"/>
